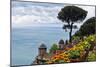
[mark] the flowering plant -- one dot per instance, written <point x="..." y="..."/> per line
<point x="76" y="52"/>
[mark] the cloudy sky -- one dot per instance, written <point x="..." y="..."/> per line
<point x="40" y="14"/>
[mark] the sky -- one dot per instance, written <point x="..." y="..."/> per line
<point x="40" y="14"/>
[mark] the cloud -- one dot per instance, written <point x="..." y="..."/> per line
<point x="31" y="15"/>
<point x="28" y="13"/>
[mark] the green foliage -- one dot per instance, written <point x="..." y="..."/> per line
<point x="86" y="43"/>
<point x="89" y="27"/>
<point x="92" y="56"/>
<point x="54" y="47"/>
<point x="91" y="38"/>
<point x="76" y="38"/>
<point x="70" y="15"/>
<point x="74" y="54"/>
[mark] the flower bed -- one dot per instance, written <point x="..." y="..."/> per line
<point x="77" y="53"/>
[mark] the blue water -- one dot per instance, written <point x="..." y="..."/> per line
<point x="25" y="42"/>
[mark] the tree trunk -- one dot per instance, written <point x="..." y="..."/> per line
<point x="70" y="33"/>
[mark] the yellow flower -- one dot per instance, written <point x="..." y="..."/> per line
<point x="49" y="62"/>
<point x="66" y="60"/>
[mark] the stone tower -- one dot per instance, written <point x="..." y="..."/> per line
<point x="61" y="44"/>
<point x="42" y="56"/>
<point x="42" y="50"/>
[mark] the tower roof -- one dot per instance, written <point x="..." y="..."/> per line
<point x="42" y="46"/>
<point x="61" y="41"/>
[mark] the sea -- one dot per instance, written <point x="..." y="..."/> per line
<point x="26" y="40"/>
